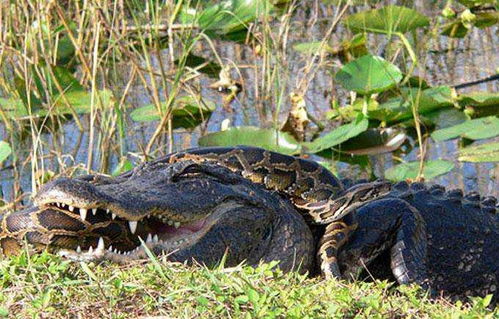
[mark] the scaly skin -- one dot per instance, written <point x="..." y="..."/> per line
<point x="441" y="240"/>
<point x="219" y="211"/>
<point x="199" y="203"/>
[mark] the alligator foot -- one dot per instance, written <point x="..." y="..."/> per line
<point x="386" y="224"/>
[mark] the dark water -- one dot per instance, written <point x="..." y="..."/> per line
<point x="447" y="62"/>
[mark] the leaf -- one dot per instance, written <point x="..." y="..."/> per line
<point x="373" y="141"/>
<point x="338" y="135"/>
<point x="123" y="166"/>
<point x="388" y="19"/>
<point x="81" y="102"/>
<point x="476" y="129"/>
<point x="397" y="109"/>
<point x="5" y="151"/>
<point x="410" y="170"/>
<point x="226" y="17"/>
<point x="312" y="47"/>
<point x="455" y="29"/>
<point x="444" y="118"/>
<point x="369" y="74"/>
<point x="270" y="139"/>
<point x="459" y="28"/>
<point x="202" y="65"/>
<point x="479" y="98"/>
<point x="480" y="153"/>
<point x="57" y="79"/>
<point x="400" y="108"/>
<point x="187" y="112"/>
<point x="476" y="3"/>
<point x="14" y="108"/>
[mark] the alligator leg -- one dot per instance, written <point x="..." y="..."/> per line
<point x="388" y="223"/>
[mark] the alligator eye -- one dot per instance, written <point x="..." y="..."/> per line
<point x="189" y="172"/>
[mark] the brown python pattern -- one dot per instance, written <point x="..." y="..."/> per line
<point x="309" y="185"/>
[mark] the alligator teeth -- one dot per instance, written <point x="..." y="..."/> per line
<point x="78" y="249"/>
<point x="155" y="238"/>
<point x="110" y="248"/>
<point x="113" y="215"/>
<point x="133" y="226"/>
<point x="170" y="222"/>
<point x="149" y="238"/>
<point x="91" y="250"/>
<point x="71" y="208"/>
<point x="94" y="211"/>
<point x="100" y="244"/>
<point x="176" y="224"/>
<point x="83" y="213"/>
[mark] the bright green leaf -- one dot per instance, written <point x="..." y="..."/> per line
<point x="388" y="19"/>
<point x="270" y="139"/>
<point x="400" y="108"/>
<point x="188" y="112"/>
<point x="123" y="166"/>
<point x="410" y="170"/>
<point x="369" y="74"/>
<point x="312" y="47"/>
<point x="476" y="129"/>
<point x="338" y="135"/>
<point x="5" y="151"/>
<point x="480" y="153"/>
<point x="479" y="98"/>
<point x="476" y="3"/>
<point x="226" y="17"/>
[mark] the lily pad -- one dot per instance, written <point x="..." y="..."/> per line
<point x="226" y="17"/>
<point x="476" y="3"/>
<point x="79" y="101"/>
<point x="480" y="153"/>
<point x="459" y="28"/>
<point x="338" y="135"/>
<point x="410" y="170"/>
<point x="479" y="99"/>
<point x="187" y="112"/>
<point x="388" y="19"/>
<point x="269" y="139"/>
<point x="400" y="108"/>
<point x="373" y="141"/>
<point x="5" y="151"/>
<point x="369" y="74"/>
<point x="312" y="47"/>
<point x="444" y="118"/>
<point x="347" y="50"/>
<point x="476" y="129"/>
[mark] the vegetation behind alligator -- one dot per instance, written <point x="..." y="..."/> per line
<point x="255" y="205"/>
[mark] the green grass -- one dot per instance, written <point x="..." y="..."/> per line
<point x="45" y="286"/>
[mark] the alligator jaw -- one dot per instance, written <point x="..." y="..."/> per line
<point x="153" y="234"/>
<point x="109" y="212"/>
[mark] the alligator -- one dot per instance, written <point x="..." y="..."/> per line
<point x="246" y="204"/>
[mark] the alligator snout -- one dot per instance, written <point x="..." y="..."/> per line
<point x="71" y="192"/>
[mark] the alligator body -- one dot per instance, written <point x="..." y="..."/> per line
<point x="255" y="205"/>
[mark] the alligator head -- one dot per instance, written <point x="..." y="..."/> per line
<point x="187" y="210"/>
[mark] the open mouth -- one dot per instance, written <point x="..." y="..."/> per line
<point x="129" y="236"/>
